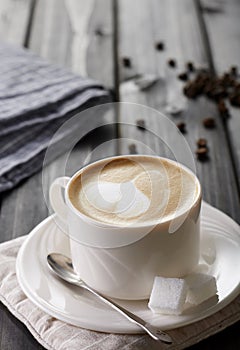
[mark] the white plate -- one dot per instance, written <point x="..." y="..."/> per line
<point x="220" y="255"/>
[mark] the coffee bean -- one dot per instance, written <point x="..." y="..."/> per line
<point x="226" y="76"/>
<point x="222" y="106"/>
<point x="208" y="89"/>
<point x="202" y="153"/>
<point x="191" y="91"/>
<point x="126" y="61"/>
<point x="141" y="124"/>
<point x="172" y="63"/>
<point x="234" y="99"/>
<point x="221" y="89"/>
<point x="132" y="148"/>
<point x="234" y="71"/>
<point x="201" y="142"/>
<point x="182" y="127"/>
<point x="190" y="66"/>
<point x="209" y="123"/>
<point x="219" y="93"/>
<point x="223" y="110"/>
<point x="99" y="32"/>
<point x="183" y="76"/>
<point x="160" y="46"/>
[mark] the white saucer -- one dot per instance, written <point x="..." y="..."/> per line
<point x="220" y="254"/>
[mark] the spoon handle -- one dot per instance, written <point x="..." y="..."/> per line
<point x="155" y="333"/>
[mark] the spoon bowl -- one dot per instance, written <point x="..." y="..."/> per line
<point x="62" y="266"/>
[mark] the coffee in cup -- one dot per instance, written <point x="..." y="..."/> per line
<point x="133" y="190"/>
<point x="130" y="218"/>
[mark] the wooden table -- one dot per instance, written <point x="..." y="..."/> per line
<point x="91" y="38"/>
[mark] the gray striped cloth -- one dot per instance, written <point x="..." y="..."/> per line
<point x="36" y="98"/>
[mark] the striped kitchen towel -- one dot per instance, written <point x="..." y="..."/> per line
<point x="36" y="98"/>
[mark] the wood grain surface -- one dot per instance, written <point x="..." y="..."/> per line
<point x="224" y="33"/>
<point x="54" y="35"/>
<point x="184" y="41"/>
<point x="114" y="41"/>
<point x="15" y="17"/>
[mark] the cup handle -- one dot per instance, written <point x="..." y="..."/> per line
<point x="57" y="201"/>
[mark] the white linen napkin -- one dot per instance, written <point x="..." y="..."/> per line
<point x="57" y="335"/>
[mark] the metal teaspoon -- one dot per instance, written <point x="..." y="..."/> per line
<point x="62" y="266"/>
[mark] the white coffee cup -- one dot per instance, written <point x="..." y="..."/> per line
<point x="121" y="262"/>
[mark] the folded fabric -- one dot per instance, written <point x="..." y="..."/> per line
<point x="36" y="98"/>
<point x="56" y="335"/>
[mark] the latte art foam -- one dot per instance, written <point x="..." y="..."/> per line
<point x="134" y="189"/>
<point x="122" y="199"/>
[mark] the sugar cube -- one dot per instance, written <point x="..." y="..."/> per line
<point x="168" y="295"/>
<point x="200" y="287"/>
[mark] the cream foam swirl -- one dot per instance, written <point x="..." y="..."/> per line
<point x="124" y="199"/>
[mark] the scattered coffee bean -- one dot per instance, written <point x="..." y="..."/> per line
<point x="222" y="106"/>
<point x="160" y="46"/>
<point x="234" y="71"/>
<point x="183" y="76"/>
<point x="202" y="143"/>
<point x="132" y="148"/>
<point x="219" y="93"/>
<point x="190" y="66"/>
<point x="141" y="124"/>
<point x="234" y="99"/>
<point x="202" y="153"/>
<point x="99" y="32"/>
<point x="182" y="127"/>
<point x="223" y="110"/>
<point x="214" y="87"/>
<point x="190" y="91"/>
<point x="127" y="62"/>
<point x="209" y="123"/>
<point x="202" y="150"/>
<point x="172" y="63"/>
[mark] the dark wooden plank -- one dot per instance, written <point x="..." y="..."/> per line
<point x="228" y="339"/>
<point x="91" y="44"/>
<point x="14" y="19"/>
<point x="100" y="48"/>
<point x="13" y="333"/>
<point x="70" y="33"/>
<point x="14" y="23"/>
<point x="77" y="45"/>
<point x="222" y="24"/>
<point x="51" y="33"/>
<point x="176" y="23"/>
<point x="55" y="36"/>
